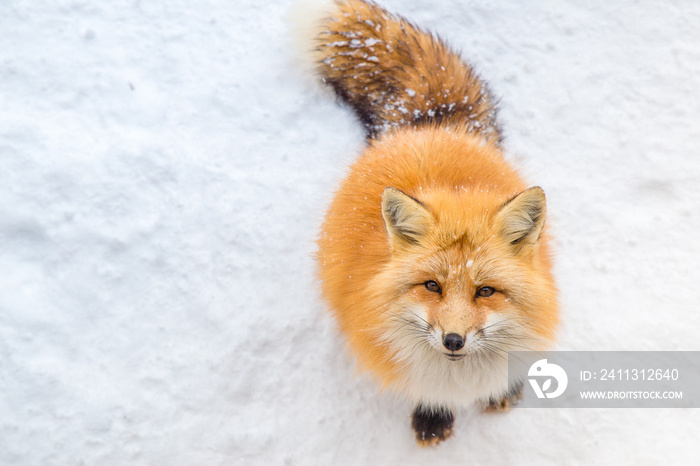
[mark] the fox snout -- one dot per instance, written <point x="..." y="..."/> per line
<point x="450" y="342"/>
<point x="453" y="341"/>
<point x="456" y="327"/>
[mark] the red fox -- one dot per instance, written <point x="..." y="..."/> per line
<point x="433" y="255"/>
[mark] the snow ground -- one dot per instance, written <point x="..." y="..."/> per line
<point x="164" y="167"/>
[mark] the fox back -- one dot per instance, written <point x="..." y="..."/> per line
<point x="433" y="255"/>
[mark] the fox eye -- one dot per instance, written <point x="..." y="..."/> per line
<point x="485" y="292"/>
<point x="433" y="286"/>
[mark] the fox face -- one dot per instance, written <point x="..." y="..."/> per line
<point x="464" y="284"/>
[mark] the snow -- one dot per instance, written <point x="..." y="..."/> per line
<point x="164" y="169"/>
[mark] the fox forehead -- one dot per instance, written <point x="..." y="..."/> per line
<point x="457" y="263"/>
<point x="464" y="213"/>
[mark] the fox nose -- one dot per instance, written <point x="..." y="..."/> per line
<point x="453" y="342"/>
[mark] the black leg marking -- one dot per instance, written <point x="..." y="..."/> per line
<point x="432" y="425"/>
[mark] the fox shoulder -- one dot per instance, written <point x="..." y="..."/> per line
<point x="393" y="73"/>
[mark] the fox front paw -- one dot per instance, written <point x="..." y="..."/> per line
<point x="504" y="404"/>
<point x="432" y="425"/>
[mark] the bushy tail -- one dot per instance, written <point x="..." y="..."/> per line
<point x="393" y="73"/>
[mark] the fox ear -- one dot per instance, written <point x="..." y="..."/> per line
<point x="521" y="219"/>
<point x="406" y="219"/>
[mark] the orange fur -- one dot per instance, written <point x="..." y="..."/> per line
<point x="430" y="199"/>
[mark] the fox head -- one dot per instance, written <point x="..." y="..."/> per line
<point x="468" y="275"/>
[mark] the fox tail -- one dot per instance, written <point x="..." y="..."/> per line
<point x="394" y="74"/>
